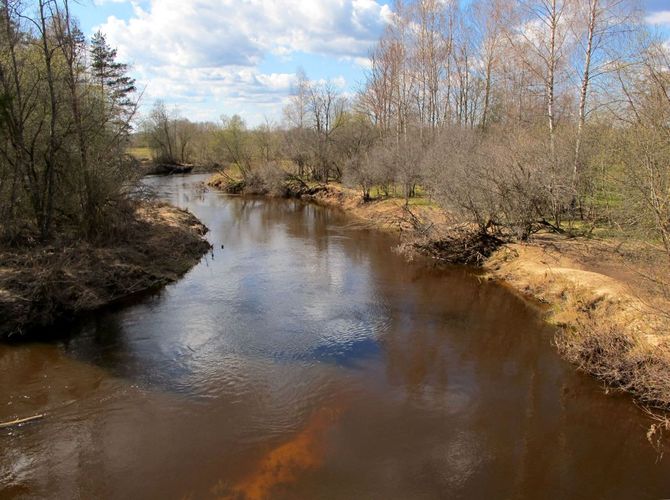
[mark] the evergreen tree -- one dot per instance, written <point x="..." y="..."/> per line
<point x="109" y="74"/>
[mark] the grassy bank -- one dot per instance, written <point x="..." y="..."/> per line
<point x="610" y="322"/>
<point x="43" y="283"/>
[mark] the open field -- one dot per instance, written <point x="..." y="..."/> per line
<point x="140" y="153"/>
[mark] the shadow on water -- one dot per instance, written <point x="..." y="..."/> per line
<point x="304" y="359"/>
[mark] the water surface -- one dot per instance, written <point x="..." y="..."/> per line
<point x="304" y="359"/>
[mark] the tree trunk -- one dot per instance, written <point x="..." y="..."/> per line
<point x="50" y="156"/>
<point x="583" y="94"/>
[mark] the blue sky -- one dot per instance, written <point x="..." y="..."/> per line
<point x="206" y="58"/>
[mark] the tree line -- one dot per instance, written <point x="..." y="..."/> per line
<point x="511" y="114"/>
<point x="65" y="109"/>
<point x="515" y="114"/>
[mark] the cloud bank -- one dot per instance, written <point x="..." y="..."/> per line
<point x="206" y="53"/>
<point x="661" y="17"/>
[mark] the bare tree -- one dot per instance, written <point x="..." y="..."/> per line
<point x="162" y="134"/>
<point x="326" y="107"/>
<point x="488" y="21"/>
<point x="597" y="29"/>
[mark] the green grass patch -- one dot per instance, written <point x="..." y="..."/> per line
<point x="140" y="153"/>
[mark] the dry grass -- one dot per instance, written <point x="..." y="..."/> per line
<point x="43" y="283"/>
<point x="620" y="357"/>
<point x="606" y="328"/>
<point x="140" y="153"/>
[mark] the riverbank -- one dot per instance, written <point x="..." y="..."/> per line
<point x="44" y="283"/>
<point x="609" y="322"/>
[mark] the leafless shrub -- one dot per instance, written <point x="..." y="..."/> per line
<point x="371" y="168"/>
<point x="506" y="182"/>
<point x="269" y="178"/>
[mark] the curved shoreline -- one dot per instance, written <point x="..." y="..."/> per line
<point x="43" y="284"/>
<point x="605" y="326"/>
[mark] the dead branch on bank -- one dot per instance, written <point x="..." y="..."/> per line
<point x="461" y="246"/>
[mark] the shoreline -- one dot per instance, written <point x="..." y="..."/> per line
<point x="44" y="284"/>
<point x="606" y="326"/>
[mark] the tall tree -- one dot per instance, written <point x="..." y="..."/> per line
<point x="488" y="16"/>
<point x="111" y="75"/>
<point x="541" y="37"/>
<point x="62" y="150"/>
<point x="599" y="26"/>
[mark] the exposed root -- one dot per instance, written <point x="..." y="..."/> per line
<point x="227" y="184"/>
<point x="657" y="430"/>
<point x="167" y="169"/>
<point x="285" y="186"/>
<point x="621" y="359"/>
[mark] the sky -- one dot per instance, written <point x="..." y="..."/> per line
<point x="208" y="58"/>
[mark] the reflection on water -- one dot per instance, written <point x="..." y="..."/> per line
<point x="303" y="359"/>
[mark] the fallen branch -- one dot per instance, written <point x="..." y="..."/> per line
<point x="550" y="226"/>
<point x="13" y="423"/>
<point x="419" y="226"/>
<point x="460" y="246"/>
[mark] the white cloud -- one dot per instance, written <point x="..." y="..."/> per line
<point x="103" y="2"/>
<point x="660" y="17"/>
<point x="231" y="32"/>
<point x="226" y="87"/>
<point x="189" y="50"/>
<point x="363" y="62"/>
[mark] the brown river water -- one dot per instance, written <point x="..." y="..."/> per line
<point x="306" y="360"/>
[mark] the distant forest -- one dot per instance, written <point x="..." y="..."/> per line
<point x="514" y="114"/>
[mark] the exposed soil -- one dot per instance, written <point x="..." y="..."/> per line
<point x="43" y="283"/>
<point x="387" y="214"/>
<point x="611" y="323"/>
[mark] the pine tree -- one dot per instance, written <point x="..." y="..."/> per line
<point x="109" y="74"/>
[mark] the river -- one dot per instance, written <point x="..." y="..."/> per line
<point x="304" y="359"/>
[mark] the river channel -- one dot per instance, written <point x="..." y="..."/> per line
<point x="304" y="359"/>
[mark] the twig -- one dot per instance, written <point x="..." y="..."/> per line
<point x="655" y="432"/>
<point x="5" y="425"/>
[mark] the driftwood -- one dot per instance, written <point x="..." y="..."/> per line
<point x="14" y="423"/>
